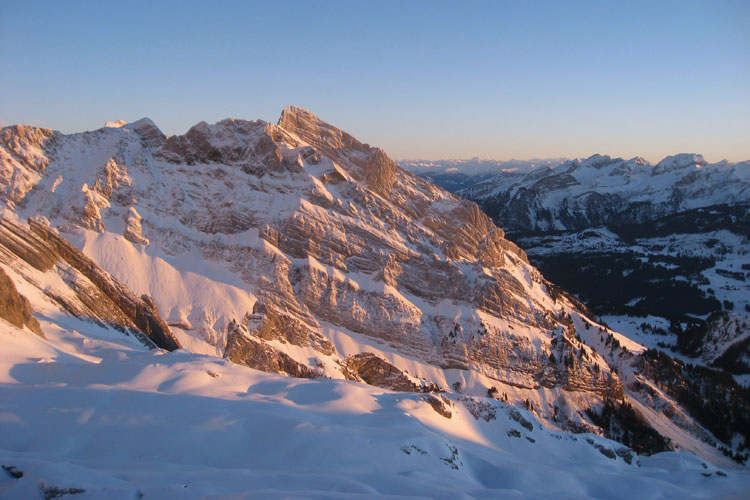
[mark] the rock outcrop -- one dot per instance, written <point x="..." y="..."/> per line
<point x="15" y="308"/>
<point x="369" y="368"/>
<point x="243" y="348"/>
<point x="96" y="295"/>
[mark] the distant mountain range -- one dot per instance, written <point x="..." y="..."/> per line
<point x="601" y="190"/>
<point x="454" y="175"/>
<point x="558" y="194"/>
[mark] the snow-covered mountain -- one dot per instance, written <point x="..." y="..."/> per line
<point x="295" y="241"/>
<point x="293" y="248"/>
<point x="601" y="190"/>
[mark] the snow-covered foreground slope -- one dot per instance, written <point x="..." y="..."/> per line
<point x="97" y="412"/>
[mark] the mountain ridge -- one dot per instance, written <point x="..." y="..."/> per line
<point x="575" y="194"/>
<point x="297" y="249"/>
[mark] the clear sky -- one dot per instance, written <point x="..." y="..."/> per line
<point x="432" y="80"/>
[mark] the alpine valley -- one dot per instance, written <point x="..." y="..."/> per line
<point x="257" y="310"/>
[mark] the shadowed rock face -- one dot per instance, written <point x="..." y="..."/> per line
<point x="369" y="368"/>
<point x="148" y="132"/>
<point x="14" y="307"/>
<point x="25" y="245"/>
<point x="97" y="296"/>
<point x="242" y="348"/>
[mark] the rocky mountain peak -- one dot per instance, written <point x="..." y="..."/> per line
<point x="597" y="161"/>
<point x="148" y="131"/>
<point x="369" y="164"/>
<point x="320" y="227"/>
<point x="14" y="138"/>
<point x="319" y="134"/>
<point x="680" y="161"/>
<point x="243" y="143"/>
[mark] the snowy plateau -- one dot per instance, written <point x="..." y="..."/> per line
<point x="257" y="310"/>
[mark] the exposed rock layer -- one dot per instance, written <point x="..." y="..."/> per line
<point x="97" y="295"/>
<point x="14" y="307"/>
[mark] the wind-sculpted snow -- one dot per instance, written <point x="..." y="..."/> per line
<point x="294" y="248"/>
<point x="99" y="416"/>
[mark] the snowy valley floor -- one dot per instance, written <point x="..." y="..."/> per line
<point x="100" y="413"/>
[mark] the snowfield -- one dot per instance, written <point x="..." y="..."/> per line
<point x="90" y="409"/>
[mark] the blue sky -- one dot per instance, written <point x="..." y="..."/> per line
<point x="420" y="79"/>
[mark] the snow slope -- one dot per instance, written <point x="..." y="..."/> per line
<point x="87" y="409"/>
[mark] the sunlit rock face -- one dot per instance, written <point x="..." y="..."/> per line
<point x="293" y="247"/>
